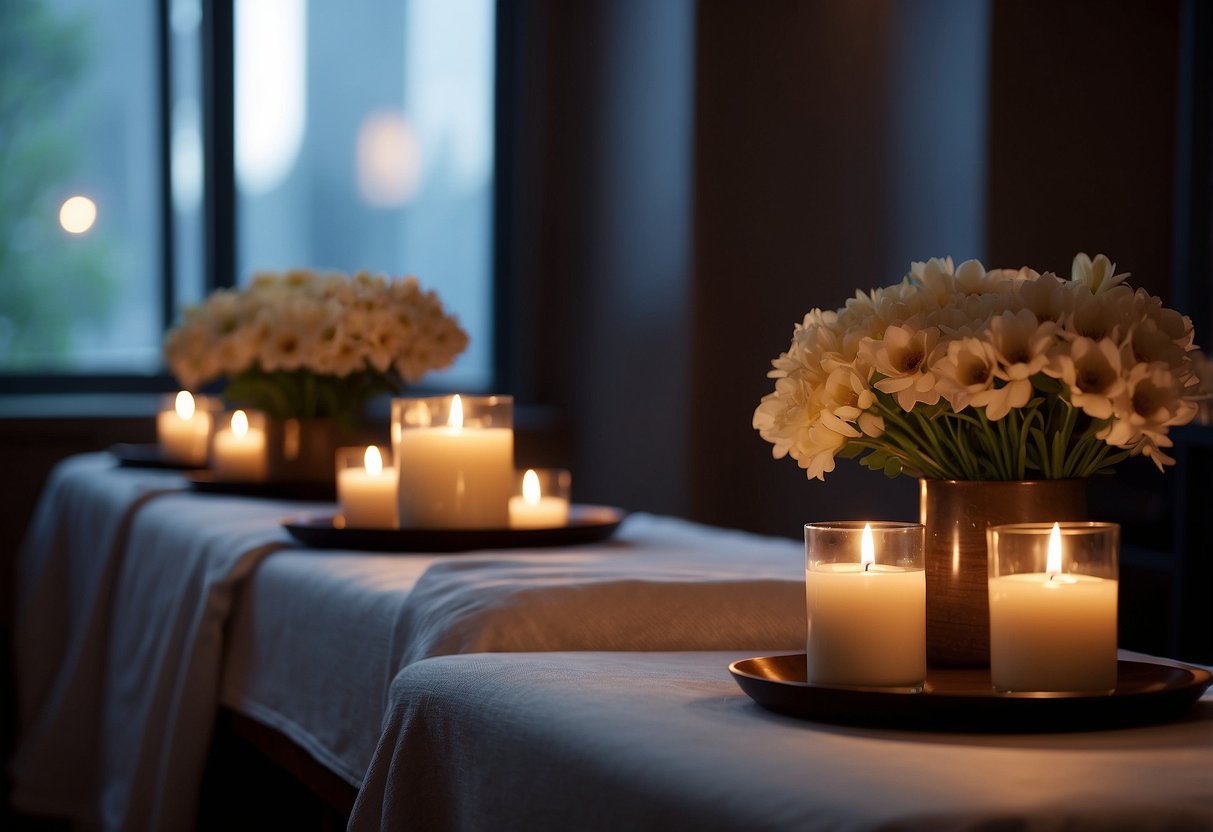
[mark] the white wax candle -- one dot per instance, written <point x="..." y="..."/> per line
<point x="544" y="513"/>
<point x="239" y="452"/>
<point x="867" y="627"/>
<point x="1053" y="632"/>
<point x="182" y="432"/>
<point x="455" y="477"/>
<point x="535" y="510"/>
<point x="368" y="494"/>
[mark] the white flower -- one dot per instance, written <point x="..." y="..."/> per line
<point x="966" y="373"/>
<point x="901" y="356"/>
<point x="1093" y="372"/>
<point x="1097" y="275"/>
<point x="325" y="324"/>
<point x="1153" y="404"/>
<point x="1020" y="345"/>
<point x="952" y="339"/>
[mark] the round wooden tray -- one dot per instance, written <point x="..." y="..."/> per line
<point x="964" y="700"/>
<point x="587" y="524"/>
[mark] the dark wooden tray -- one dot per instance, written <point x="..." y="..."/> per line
<point x="587" y="524"/>
<point x="964" y="700"/>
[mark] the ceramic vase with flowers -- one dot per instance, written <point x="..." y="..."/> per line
<point x="1002" y="390"/>
<point x="311" y="349"/>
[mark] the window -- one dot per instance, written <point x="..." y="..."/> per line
<point x="80" y="249"/>
<point x="363" y="140"/>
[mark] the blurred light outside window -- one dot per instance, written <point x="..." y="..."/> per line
<point x="80" y="252"/>
<point x="364" y="141"/>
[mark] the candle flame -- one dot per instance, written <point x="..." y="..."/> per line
<point x="1053" y="563"/>
<point x="455" y="420"/>
<point x="185" y="405"/>
<point x="239" y="423"/>
<point x="530" y="487"/>
<point x="373" y="461"/>
<point x="867" y="548"/>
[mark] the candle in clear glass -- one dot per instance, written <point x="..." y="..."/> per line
<point x="238" y="453"/>
<point x="541" y="499"/>
<point x="1053" y="590"/>
<point x="455" y="458"/>
<point x="866" y="599"/>
<point x="366" y="487"/>
<point x="183" y="428"/>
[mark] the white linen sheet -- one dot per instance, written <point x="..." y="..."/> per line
<point x="657" y="741"/>
<point x="318" y="636"/>
<point x="187" y="555"/>
<point x="64" y="574"/>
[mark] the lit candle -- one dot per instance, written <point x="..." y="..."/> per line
<point x="239" y="451"/>
<point x="182" y="432"/>
<point x="455" y="475"/>
<point x="533" y="509"/>
<point x="867" y="620"/>
<point x="1053" y="630"/>
<point x="367" y="491"/>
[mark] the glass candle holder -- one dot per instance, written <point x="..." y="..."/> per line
<point x="238" y="450"/>
<point x="866" y="598"/>
<point x="455" y="457"/>
<point x="184" y="423"/>
<point x="541" y="498"/>
<point x="1053" y="590"/>
<point x="366" y="487"/>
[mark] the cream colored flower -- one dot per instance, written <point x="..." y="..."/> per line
<point x="966" y="373"/>
<point x="1093" y="372"/>
<point x="1020" y="345"/>
<point x="1154" y="403"/>
<point x="1046" y="297"/>
<point x="1106" y="315"/>
<point x="901" y="356"/>
<point x="1098" y="275"/>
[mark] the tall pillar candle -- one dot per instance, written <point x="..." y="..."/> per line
<point x="455" y="458"/>
<point x="1053" y="606"/>
<point x="866" y="601"/>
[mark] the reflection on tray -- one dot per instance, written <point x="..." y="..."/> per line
<point x="587" y="524"/>
<point x="964" y="700"/>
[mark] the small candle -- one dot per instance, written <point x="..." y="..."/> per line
<point x="367" y="490"/>
<point x="534" y="509"/>
<point x="1053" y="630"/>
<point x="183" y="431"/>
<point x="458" y="475"/>
<point x="239" y="451"/>
<point x="866" y="620"/>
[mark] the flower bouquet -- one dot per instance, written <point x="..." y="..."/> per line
<point x="306" y="345"/>
<point x="969" y="374"/>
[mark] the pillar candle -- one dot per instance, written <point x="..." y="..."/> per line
<point x="455" y="476"/>
<point x="866" y="620"/>
<point x="533" y="509"/>
<point x="239" y="452"/>
<point x="183" y="431"/>
<point x="1052" y="630"/>
<point x="367" y="492"/>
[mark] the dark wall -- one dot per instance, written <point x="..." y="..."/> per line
<point x="832" y="142"/>
<point x="1082" y="134"/>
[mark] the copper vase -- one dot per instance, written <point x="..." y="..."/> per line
<point x="304" y="450"/>
<point x="956" y="514"/>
